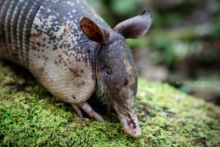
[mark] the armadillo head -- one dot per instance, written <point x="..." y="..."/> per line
<point x="116" y="71"/>
<point x="117" y="81"/>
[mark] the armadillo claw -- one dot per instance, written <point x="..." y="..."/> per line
<point x="90" y="112"/>
<point x="77" y="110"/>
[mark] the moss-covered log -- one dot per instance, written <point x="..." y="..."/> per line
<point x="29" y="116"/>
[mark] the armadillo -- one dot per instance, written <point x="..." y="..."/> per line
<point x="74" y="53"/>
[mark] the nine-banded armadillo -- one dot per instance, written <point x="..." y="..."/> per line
<point x="73" y="53"/>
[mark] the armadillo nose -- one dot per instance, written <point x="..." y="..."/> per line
<point x="133" y="132"/>
<point x="131" y="125"/>
<point x="129" y="121"/>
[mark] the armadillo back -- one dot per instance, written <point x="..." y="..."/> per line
<point x="17" y="18"/>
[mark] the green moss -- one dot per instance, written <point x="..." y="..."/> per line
<point x="30" y="116"/>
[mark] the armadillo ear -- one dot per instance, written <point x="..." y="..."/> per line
<point x="93" y="31"/>
<point x="136" y="26"/>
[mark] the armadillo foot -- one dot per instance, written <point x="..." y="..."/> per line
<point x="77" y="110"/>
<point x="90" y="112"/>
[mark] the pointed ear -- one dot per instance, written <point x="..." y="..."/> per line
<point x="93" y="31"/>
<point x="136" y="26"/>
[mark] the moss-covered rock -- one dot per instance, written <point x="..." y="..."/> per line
<point x="29" y="116"/>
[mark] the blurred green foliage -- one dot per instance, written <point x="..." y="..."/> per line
<point x="124" y="8"/>
<point x="172" y="22"/>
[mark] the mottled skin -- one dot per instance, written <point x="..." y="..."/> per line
<point x="73" y="53"/>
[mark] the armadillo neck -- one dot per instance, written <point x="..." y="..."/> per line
<point x="16" y="17"/>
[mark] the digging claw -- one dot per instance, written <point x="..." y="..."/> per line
<point x="77" y="110"/>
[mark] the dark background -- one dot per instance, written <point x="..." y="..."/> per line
<point x="183" y="45"/>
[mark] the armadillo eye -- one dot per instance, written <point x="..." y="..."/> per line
<point x="108" y="73"/>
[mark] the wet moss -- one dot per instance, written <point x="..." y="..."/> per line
<point x="30" y="116"/>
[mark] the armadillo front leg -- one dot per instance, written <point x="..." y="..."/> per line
<point x="88" y="110"/>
